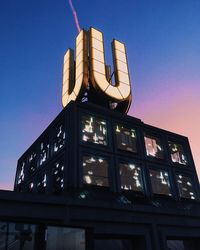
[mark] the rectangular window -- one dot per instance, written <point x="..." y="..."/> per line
<point x="32" y="160"/>
<point x="59" y="138"/>
<point x="130" y="177"/>
<point x="185" y="187"/>
<point x="41" y="183"/>
<point x="177" y="153"/>
<point x="95" y="170"/>
<point x="65" y="238"/>
<point x="94" y="130"/>
<point x="126" y="138"/>
<point x="44" y="152"/>
<point x="153" y="146"/>
<point x="58" y="176"/>
<point x="160" y="182"/>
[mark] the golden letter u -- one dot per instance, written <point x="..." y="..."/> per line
<point x="75" y="80"/>
<point x="121" y="90"/>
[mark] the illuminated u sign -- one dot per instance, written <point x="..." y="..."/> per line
<point x="91" y="79"/>
<point x="75" y="81"/>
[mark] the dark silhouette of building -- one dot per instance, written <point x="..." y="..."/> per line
<point x="98" y="179"/>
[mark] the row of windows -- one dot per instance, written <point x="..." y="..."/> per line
<point x="40" y="181"/>
<point x="94" y="130"/>
<point x="96" y="172"/>
<point x="39" y="154"/>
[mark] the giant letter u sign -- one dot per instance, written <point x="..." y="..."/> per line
<point x="90" y="73"/>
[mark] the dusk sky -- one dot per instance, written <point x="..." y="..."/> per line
<point x="163" y="46"/>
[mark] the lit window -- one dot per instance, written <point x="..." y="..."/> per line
<point x="32" y="162"/>
<point x="160" y="182"/>
<point x="58" y="176"/>
<point x="185" y="187"/>
<point x="95" y="170"/>
<point x="126" y="138"/>
<point x="177" y="153"/>
<point x="42" y="183"/>
<point x="21" y="174"/>
<point x="131" y="177"/>
<point x="153" y="146"/>
<point x="59" y="138"/>
<point x="44" y="152"/>
<point x="94" y="130"/>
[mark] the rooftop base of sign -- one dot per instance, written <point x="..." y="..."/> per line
<point x="97" y="179"/>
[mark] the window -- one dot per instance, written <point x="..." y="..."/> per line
<point x="160" y="182"/>
<point x="177" y="153"/>
<point x="65" y="238"/>
<point x="21" y="175"/>
<point x="44" y="152"/>
<point x="126" y="138"/>
<point x="185" y="187"/>
<point x="131" y="177"/>
<point x="153" y="146"/>
<point x="58" y="176"/>
<point x="42" y="183"/>
<point x="59" y="138"/>
<point x="32" y="162"/>
<point x="94" y="130"/>
<point x="95" y="170"/>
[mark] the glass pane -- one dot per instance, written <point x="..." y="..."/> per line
<point x="59" y="238"/>
<point x="20" y="178"/>
<point x="113" y="244"/>
<point x="59" y="138"/>
<point x="17" y="236"/>
<point x="41" y="183"/>
<point x="160" y="182"/>
<point x="95" y="170"/>
<point x="126" y="138"/>
<point x="185" y="187"/>
<point x="58" y="176"/>
<point x="177" y="153"/>
<point x="182" y="244"/>
<point x="44" y="151"/>
<point x="94" y="130"/>
<point x="32" y="160"/>
<point x="153" y="147"/>
<point x="131" y="177"/>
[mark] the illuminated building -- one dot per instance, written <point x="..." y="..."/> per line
<point x="100" y="179"/>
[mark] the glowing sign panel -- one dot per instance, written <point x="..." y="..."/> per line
<point x="90" y="73"/>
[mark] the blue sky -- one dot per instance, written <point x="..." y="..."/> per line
<point x="163" y="46"/>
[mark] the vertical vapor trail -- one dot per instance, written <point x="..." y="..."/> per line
<point x="75" y="15"/>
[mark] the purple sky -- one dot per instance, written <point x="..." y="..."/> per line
<point x="163" y="45"/>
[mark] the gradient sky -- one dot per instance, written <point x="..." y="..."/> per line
<point x="163" y="46"/>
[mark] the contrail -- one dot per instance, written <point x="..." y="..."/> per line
<point x="75" y="15"/>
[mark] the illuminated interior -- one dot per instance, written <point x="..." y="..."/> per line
<point x="185" y="187"/>
<point x="177" y="153"/>
<point x="95" y="170"/>
<point x="126" y="138"/>
<point x="153" y="146"/>
<point x="21" y="174"/>
<point x="130" y="177"/>
<point x="42" y="183"/>
<point x="160" y="182"/>
<point x="58" y="176"/>
<point x="32" y="162"/>
<point x="44" y="152"/>
<point x="59" y="139"/>
<point x="94" y="130"/>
